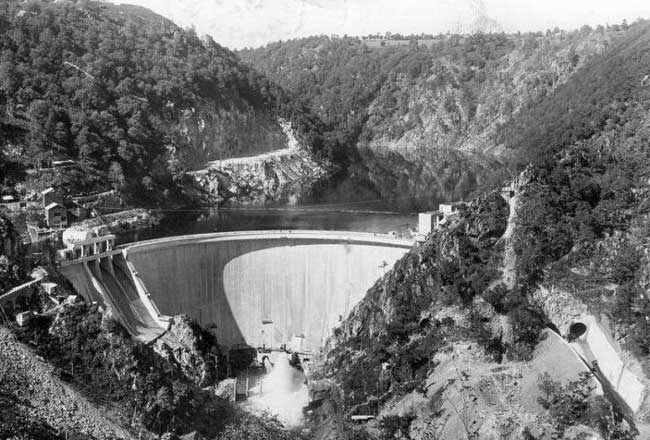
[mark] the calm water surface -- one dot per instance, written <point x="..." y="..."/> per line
<point x="346" y="206"/>
<point x="251" y="219"/>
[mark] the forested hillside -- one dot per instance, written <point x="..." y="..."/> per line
<point x="451" y="92"/>
<point x="577" y="249"/>
<point x="129" y="96"/>
<point x="602" y="97"/>
<point x="440" y="106"/>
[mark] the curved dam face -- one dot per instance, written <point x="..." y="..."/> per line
<point x="263" y="288"/>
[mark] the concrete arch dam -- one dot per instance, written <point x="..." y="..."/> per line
<point x="256" y="288"/>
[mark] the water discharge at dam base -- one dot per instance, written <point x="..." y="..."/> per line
<point x="282" y="391"/>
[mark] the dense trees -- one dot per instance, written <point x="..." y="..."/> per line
<point x="110" y="87"/>
<point x="97" y="356"/>
<point x="340" y="78"/>
<point x="450" y="87"/>
<point x="597" y="98"/>
<point x="443" y="106"/>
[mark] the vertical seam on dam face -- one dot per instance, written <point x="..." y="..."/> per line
<point x="303" y="280"/>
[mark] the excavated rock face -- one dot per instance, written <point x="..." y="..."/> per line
<point x="214" y="133"/>
<point x="193" y="350"/>
<point x="282" y="178"/>
<point x="284" y="174"/>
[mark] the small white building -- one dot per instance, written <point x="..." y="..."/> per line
<point x="48" y="196"/>
<point x="449" y="211"/>
<point x="449" y="208"/>
<point x="50" y="288"/>
<point x="22" y="319"/>
<point x="428" y="222"/>
<point x="80" y="242"/>
<point x="433" y="220"/>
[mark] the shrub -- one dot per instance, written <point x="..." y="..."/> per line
<point x="626" y="263"/>
<point x="526" y="325"/>
<point x="394" y="426"/>
<point x="573" y="404"/>
<point x="106" y="364"/>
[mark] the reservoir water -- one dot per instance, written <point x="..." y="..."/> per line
<point x="243" y="219"/>
<point x="349" y="205"/>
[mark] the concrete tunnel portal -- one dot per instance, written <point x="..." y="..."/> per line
<point x="260" y="288"/>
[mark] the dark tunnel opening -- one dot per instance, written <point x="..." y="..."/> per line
<point x="576" y="330"/>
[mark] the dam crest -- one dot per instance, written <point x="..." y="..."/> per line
<point x="259" y="288"/>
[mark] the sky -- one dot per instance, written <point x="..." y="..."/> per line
<point x="251" y="23"/>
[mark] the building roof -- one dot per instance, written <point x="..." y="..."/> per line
<point x="48" y="191"/>
<point x="452" y="204"/>
<point x="53" y="205"/>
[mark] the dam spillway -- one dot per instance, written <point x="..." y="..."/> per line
<point x="256" y="288"/>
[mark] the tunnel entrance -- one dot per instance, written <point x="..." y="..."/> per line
<point x="576" y="330"/>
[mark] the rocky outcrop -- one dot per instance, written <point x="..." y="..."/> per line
<point x="441" y="109"/>
<point x="213" y="132"/>
<point x="192" y="350"/>
<point x="283" y="175"/>
<point x="416" y="278"/>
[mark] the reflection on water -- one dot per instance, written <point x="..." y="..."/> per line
<point x="282" y="393"/>
<point x="348" y="205"/>
<point x="380" y="192"/>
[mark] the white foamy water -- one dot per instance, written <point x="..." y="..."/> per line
<point x="283" y="393"/>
